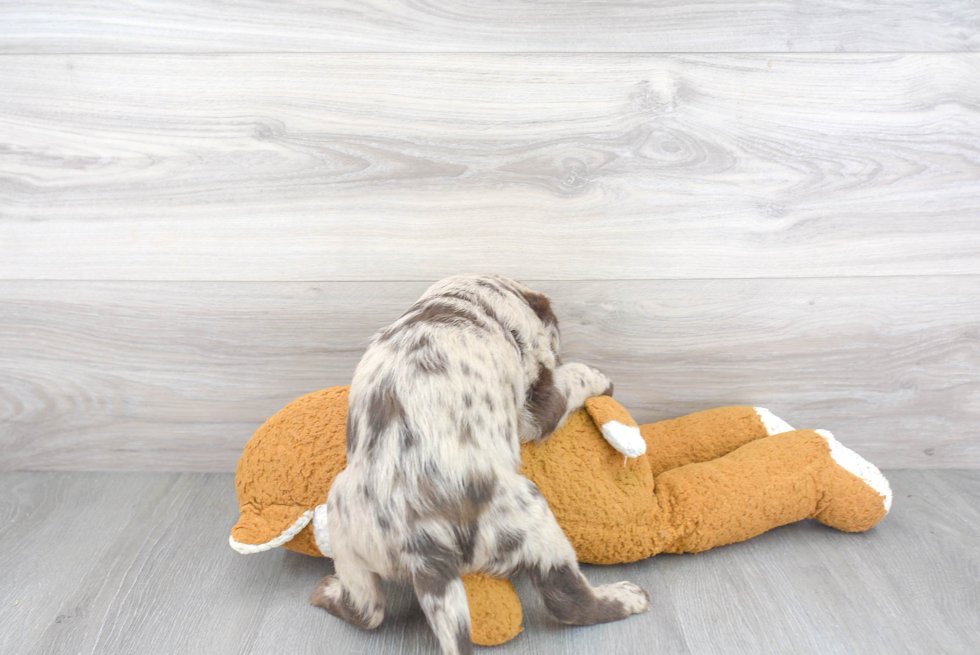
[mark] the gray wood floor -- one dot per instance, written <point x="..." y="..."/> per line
<point x="139" y="563"/>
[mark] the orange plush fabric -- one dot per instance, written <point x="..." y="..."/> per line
<point x="603" y="502"/>
<point x="288" y="466"/>
<point x="495" y="609"/>
<point x="707" y="479"/>
<point x="700" y="437"/>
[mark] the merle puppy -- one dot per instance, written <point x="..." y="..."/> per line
<point x="439" y="406"/>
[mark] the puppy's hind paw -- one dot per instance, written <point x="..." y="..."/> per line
<point x="333" y="597"/>
<point x="633" y="598"/>
<point x="327" y="594"/>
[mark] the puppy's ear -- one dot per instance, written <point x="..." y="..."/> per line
<point x="541" y="306"/>
<point x="617" y="426"/>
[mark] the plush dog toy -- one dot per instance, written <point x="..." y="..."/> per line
<point x="707" y="479"/>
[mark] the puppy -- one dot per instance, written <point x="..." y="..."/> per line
<point x="439" y="406"/>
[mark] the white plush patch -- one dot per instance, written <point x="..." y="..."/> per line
<point x="292" y="531"/>
<point x="854" y="463"/>
<point x="320" y="532"/>
<point x="624" y="438"/>
<point x="772" y="423"/>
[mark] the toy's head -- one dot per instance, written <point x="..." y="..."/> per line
<point x="285" y="472"/>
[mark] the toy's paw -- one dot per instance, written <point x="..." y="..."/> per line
<point x="632" y="597"/>
<point x="772" y="423"/>
<point x="853" y="463"/>
<point x="624" y="438"/>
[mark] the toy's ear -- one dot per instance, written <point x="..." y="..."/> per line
<point x="618" y="427"/>
<point x="276" y="525"/>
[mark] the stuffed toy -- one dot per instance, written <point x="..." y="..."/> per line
<point x="707" y="479"/>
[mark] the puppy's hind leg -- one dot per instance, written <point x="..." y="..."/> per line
<point x="571" y="599"/>
<point x="443" y="600"/>
<point x="543" y="551"/>
<point x="353" y="594"/>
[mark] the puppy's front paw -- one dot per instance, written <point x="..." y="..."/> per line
<point x="584" y="379"/>
<point x="603" y="382"/>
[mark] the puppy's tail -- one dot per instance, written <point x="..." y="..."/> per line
<point x="443" y="599"/>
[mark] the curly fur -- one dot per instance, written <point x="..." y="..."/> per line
<point x="439" y="406"/>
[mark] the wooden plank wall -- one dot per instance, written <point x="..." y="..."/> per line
<point x="207" y="209"/>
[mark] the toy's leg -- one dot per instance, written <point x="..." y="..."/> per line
<point x="495" y="609"/>
<point x="853" y="478"/>
<point x="764" y="484"/>
<point x="707" y="435"/>
<point x="354" y="594"/>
